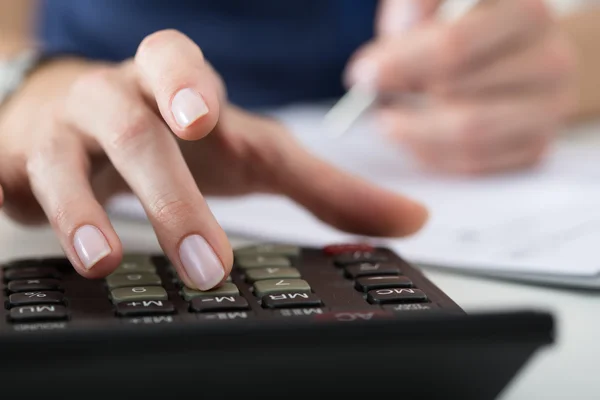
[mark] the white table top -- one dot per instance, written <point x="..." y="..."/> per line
<point x="569" y="370"/>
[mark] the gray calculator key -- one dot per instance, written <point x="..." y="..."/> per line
<point x="135" y="263"/>
<point x="226" y="289"/>
<point x="133" y="279"/>
<point x="247" y="262"/>
<point x="269" y="249"/>
<point x="262" y="288"/>
<point x="259" y="274"/>
<point x="133" y="293"/>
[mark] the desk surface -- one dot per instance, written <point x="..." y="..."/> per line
<point x="569" y="370"/>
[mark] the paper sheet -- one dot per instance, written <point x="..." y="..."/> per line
<point x="542" y="221"/>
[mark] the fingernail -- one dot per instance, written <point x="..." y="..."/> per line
<point x="187" y="106"/>
<point x="401" y="17"/>
<point x="200" y="262"/>
<point x="91" y="245"/>
<point x="363" y="72"/>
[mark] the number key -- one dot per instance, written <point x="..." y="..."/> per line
<point x="138" y="293"/>
<point x="133" y="279"/>
<point x="368" y="269"/>
<point x="262" y="288"/>
<point x="259" y="274"/>
<point x="357" y="257"/>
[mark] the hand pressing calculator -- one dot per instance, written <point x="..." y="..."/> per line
<point x="343" y="319"/>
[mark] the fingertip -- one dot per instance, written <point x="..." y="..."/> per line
<point x="195" y="114"/>
<point x="1" y="197"/>
<point x="95" y="252"/>
<point x="416" y="216"/>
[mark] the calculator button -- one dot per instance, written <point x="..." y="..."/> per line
<point x="38" y="312"/>
<point x="368" y="269"/>
<point x="226" y="289"/>
<point x="396" y="295"/>
<point x="368" y="283"/>
<point x="357" y="257"/>
<point x="246" y="262"/>
<point x="138" y="293"/>
<point x="133" y="279"/>
<point x="225" y="316"/>
<point x="29" y="285"/>
<point x="259" y="274"/>
<point x="40" y="297"/>
<point x="134" y="263"/>
<point x="144" y="307"/>
<point x="410" y="307"/>
<point x="268" y="249"/>
<point x="20" y="273"/>
<point x="335" y="249"/>
<point x="218" y="303"/>
<point x="263" y="288"/>
<point x="290" y="299"/>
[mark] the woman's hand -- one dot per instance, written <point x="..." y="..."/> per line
<point x="498" y="82"/>
<point x="78" y="132"/>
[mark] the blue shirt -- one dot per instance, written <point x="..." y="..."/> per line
<point x="269" y="52"/>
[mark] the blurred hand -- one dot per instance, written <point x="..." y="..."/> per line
<point x="497" y="83"/>
<point x="79" y="132"/>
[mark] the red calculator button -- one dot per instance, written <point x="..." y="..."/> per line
<point x="335" y="249"/>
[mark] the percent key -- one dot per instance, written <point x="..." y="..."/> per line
<point x="37" y="297"/>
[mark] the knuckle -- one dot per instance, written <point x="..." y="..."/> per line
<point x="131" y="129"/>
<point x="93" y="81"/>
<point x="95" y="78"/>
<point x="167" y="209"/>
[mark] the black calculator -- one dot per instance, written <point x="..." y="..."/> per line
<point x="343" y="319"/>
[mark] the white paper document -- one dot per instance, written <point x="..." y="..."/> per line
<point x="541" y="225"/>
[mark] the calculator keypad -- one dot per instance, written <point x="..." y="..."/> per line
<point x="343" y="282"/>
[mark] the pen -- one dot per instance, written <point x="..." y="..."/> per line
<point x="340" y="118"/>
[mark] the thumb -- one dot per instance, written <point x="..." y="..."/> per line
<point x="398" y="16"/>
